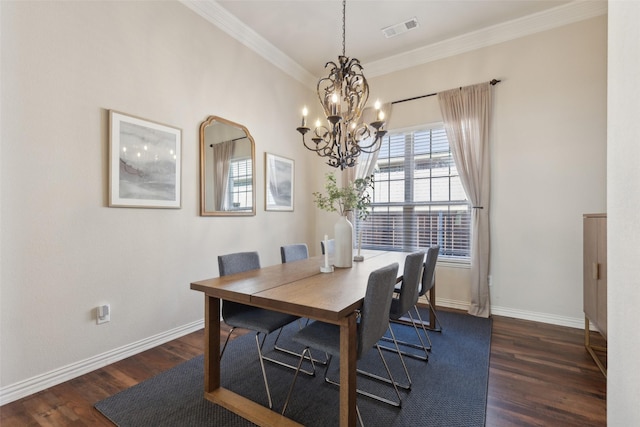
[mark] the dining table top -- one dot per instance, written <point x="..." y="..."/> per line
<point x="300" y="287"/>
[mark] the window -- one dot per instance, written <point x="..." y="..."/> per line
<point x="240" y="184"/>
<point x="418" y="199"/>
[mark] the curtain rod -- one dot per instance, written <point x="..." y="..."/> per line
<point x="492" y="82"/>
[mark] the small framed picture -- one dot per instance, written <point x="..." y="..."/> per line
<point x="279" y="173"/>
<point x="144" y="163"/>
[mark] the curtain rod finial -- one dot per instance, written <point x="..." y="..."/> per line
<point x="494" y="82"/>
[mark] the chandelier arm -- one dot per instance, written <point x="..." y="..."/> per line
<point x="317" y="140"/>
<point x="363" y="145"/>
<point x="316" y="150"/>
<point x="375" y="146"/>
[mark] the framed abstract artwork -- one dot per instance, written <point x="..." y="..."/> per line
<point x="144" y="163"/>
<point x="279" y="174"/>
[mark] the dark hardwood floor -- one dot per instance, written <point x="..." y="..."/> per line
<point x="540" y="375"/>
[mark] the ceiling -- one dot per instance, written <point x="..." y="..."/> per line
<point x="305" y="34"/>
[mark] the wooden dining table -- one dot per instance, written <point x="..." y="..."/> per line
<point x="297" y="288"/>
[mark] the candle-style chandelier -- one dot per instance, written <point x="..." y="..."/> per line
<point x="343" y="95"/>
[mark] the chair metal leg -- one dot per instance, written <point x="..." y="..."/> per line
<point x="295" y="376"/>
<point x="359" y="416"/>
<point x="426" y="334"/>
<point x="226" y="341"/>
<point x="293" y="353"/>
<point x="435" y="327"/>
<point x="286" y="365"/>
<point x="391" y="381"/>
<point x="422" y="346"/>
<point x="404" y="366"/>
<point x="264" y="372"/>
<point x="397" y="404"/>
<point x="262" y="358"/>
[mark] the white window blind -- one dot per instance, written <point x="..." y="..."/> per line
<point x="418" y="199"/>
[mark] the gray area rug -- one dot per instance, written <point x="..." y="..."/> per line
<point x="450" y="390"/>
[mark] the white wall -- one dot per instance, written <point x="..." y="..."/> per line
<point x="64" y="65"/>
<point x="623" y="203"/>
<point x="548" y="160"/>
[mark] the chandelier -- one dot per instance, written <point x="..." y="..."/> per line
<point x="343" y="95"/>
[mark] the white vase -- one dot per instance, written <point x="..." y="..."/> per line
<point x="343" y="234"/>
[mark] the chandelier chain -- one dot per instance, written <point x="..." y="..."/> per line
<point x="344" y="14"/>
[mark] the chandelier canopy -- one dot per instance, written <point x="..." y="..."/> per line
<point x="343" y="95"/>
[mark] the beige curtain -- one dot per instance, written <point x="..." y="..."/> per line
<point x="466" y="115"/>
<point x="222" y="153"/>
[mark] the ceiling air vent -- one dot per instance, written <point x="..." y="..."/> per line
<point x="400" y="28"/>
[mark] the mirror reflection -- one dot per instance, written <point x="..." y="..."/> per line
<point x="227" y="174"/>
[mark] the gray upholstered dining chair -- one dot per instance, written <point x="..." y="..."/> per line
<point x="294" y="252"/>
<point x="427" y="282"/>
<point x="373" y="323"/>
<point x="259" y="320"/>
<point x="401" y="305"/>
<point x="331" y="246"/>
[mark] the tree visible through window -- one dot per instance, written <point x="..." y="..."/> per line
<point x="418" y="199"/>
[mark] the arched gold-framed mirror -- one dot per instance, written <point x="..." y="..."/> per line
<point x="227" y="169"/>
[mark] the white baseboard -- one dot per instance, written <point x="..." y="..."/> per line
<point x="552" y="319"/>
<point x="38" y="383"/>
<point x="41" y="382"/>
<point x="450" y="303"/>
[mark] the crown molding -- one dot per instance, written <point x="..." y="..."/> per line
<point x="569" y="13"/>
<point x="221" y="18"/>
<point x="542" y="21"/>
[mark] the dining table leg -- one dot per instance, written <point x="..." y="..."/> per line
<point x="348" y="361"/>
<point x="211" y="344"/>
<point x="432" y="315"/>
